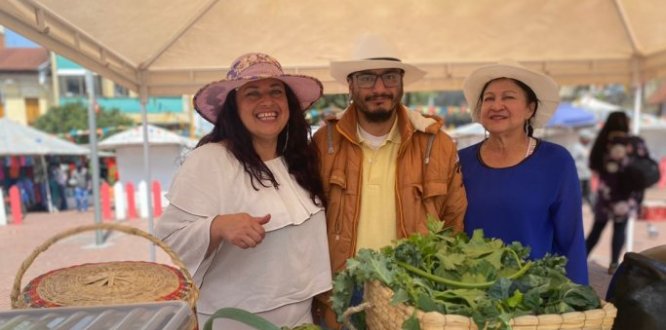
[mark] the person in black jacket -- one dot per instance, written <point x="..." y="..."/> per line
<point x="613" y="149"/>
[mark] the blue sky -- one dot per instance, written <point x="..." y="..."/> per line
<point x="13" y="39"/>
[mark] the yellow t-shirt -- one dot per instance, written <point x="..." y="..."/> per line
<point x="377" y="220"/>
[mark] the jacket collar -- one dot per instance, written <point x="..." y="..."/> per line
<point x="408" y="122"/>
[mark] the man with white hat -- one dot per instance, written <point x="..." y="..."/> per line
<point x="385" y="169"/>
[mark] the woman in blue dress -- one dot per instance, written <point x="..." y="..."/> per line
<point x="520" y="188"/>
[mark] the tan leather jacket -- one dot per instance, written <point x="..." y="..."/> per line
<point x="428" y="179"/>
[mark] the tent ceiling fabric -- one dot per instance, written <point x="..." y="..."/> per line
<point x="176" y="46"/>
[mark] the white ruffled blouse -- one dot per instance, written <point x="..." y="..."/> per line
<point x="289" y="266"/>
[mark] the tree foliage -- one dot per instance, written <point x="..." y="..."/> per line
<point x="335" y="101"/>
<point x="74" y="116"/>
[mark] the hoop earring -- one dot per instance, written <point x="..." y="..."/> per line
<point x="529" y="130"/>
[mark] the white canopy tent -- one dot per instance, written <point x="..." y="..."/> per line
<point x="167" y="151"/>
<point x="174" y="47"/>
<point x="19" y="139"/>
<point x="158" y="47"/>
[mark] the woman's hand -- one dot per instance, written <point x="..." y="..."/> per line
<point x="240" y="229"/>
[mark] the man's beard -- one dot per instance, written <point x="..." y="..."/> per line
<point x="380" y="115"/>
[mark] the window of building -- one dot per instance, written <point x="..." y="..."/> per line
<point x="75" y="86"/>
<point x="120" y="91"/>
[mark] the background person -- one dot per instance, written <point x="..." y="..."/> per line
<point x="80" y="179"/>
<point x="60" y="176"/>
<point x="246" y="213"/>
<point x="581" y="155"/>
<point x="520" y="188"/>
<point x="612" y="151"/>
<point x="384" y="168"/>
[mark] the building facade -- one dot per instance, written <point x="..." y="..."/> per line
<point x="25" y="82"/>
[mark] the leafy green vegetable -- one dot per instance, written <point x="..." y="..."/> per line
<point x="476" y="276"/>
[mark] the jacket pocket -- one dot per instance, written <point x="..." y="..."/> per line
<point x="429" y="190"/>
<point x="338" y="178"/>
<point x="426" y="201"/>
<point x="434" y="189"/>
<point x="337" y="185"/>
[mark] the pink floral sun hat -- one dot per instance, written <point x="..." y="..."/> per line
<point x="209" y="100"/>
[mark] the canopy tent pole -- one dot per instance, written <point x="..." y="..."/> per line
<point x="49" y="200"/>
<point x="636" y="130"/>
<point x="143" y="96"/>
<point x="94" y="159"/>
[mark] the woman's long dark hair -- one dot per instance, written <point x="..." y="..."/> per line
<point x="616" y="122"/>
<point x="302" y="157"/>
<point x="530" y="95"/>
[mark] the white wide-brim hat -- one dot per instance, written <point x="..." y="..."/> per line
<point x="545" y="88"/>
<point x="209" y="100"/>
<point x="374" y="52"/>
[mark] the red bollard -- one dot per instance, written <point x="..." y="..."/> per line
<point x="15" y="205"/>
<point x="157" y="198"/>
<point x="105" y="195"/>
<point x="131" y="205"/>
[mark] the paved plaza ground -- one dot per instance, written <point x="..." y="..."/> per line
<point x="17" y="242"/>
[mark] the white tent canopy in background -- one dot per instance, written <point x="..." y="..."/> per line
<point x="19" y="139"/>
<point x="134" y="136"/>
<point x="174" y="47"/>
<point x="167" y="150"/>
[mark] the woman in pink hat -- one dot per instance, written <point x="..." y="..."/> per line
<point x="246" y="212"/>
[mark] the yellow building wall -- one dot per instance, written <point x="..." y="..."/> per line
<point x="166" y="118"/>
<point x="107" y="88"/>
<point x="15" y="110"/>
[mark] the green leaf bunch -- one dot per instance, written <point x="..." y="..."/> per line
<point x="479" y="277"/>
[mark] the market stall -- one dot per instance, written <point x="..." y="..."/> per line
<point x="24" y="151"/>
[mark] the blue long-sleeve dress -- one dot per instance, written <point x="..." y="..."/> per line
<point x="536" y="202"/>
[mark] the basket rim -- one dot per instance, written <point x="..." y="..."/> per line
<point x="607" y="308"/>
<point x="18" y="300"/>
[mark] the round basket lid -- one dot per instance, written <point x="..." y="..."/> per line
<point x="108" y="283"/>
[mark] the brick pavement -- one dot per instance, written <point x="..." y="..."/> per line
<point x="18" y="242"/>
<point x="601" y="254"/>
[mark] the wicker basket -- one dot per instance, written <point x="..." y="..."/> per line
<point x="382" y="315"/>
<point x="107" y="283"/>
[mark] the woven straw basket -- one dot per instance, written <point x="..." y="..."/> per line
<point x="108" y="283"/>
<point x="382" y="315"/>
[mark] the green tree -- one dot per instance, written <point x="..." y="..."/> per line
<point x="74" y="116"/>
<point x="336" y="101"/>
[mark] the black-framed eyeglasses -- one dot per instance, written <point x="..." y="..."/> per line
<point x="368" y="80"/>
